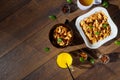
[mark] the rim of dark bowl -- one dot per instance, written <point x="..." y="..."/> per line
<point x="53" y="41"/>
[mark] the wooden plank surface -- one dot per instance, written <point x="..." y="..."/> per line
<point x="8" y="7"/>
<point x="24" y="32"/>
<point x="104" y="72"/>
<point x="22" y="24"/>
<point x="98" y="72"/>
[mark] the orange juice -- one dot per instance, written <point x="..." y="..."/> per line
<point x="86" y="2"/>
<point x="63" y="59"/>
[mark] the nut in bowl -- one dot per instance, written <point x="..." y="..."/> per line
<point x="83" y="55"/>
<point x="61" y="35"/>
<point x="96" y="27"/>
<point x="104" y="59"/>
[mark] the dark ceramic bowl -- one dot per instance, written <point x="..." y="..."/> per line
<point x="54" y="41"/>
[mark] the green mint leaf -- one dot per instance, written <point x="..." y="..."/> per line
<point x="104" y="25"/>
<point x="105" y="4"/>
<point x="91" y="27"/>
<point x="53" y="17"/>
<point x="59" y="40"/>
<point x="47" y="49"/>
<point x="117" y="43"/>
<point x="81" y="59"/>
<point x="97" y="33"/>
<point x="92" y="60"/>
<point x="69" y="1"/>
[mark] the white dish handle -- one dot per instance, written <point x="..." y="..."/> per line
<point x="97" y="1"/>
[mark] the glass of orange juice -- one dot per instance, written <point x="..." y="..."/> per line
<point x="64" y="59"/>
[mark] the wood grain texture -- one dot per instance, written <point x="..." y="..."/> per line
<point x="104" y="72"/>
<point x="8" y="7"/>
<point x="24" y="34"/>
<point x="22" y="24"/>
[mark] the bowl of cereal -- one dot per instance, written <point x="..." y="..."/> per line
<point x="61" y="35"/>
<point x="96" y="27"/>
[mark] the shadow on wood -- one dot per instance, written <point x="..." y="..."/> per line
<point x="77" y="37"/>
<point x="115" y="15"/>
<point x="114" y="57"/>
<point x="92" y="54"/>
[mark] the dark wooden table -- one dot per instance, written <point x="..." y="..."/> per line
<point x="24" y="33"/>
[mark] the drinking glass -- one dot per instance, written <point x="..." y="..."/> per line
<point x="64" y="60"/>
